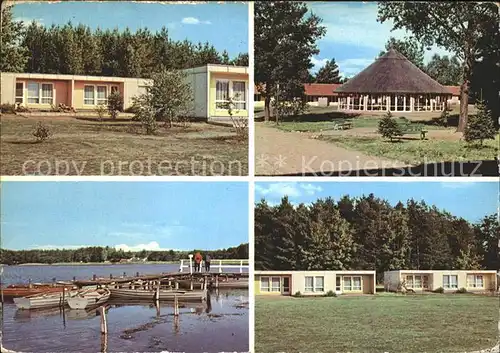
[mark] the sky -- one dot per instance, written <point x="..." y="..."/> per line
<point x="470" y="200"/>
<point x="354" y="37"/>
<point x="195" y="22"/>
<point x="128" y="215"/>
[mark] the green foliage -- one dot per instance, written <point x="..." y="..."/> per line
<point x="445" y="70"/>
<point x="389" y="128"/>
<point x="8" y="108"/>
<point x="41" y="132"/>
<point x="240" y="124"/>
<point x="410" y="47"/>
<point x="329" y="73"/>
<point x="115" y="104"/>
<point x="168" y="98"/>
<point x="280" y="57"/>
<point x="461" y="291"/>
<point x="298" y="295"/>
<point x="330" y="293"/>
<point x="13" y="57"/>
<point x="439" y="290"/>
<point x="101" y="254"/>
<point x="443" y="118"/>
<point x="369" y="233"/>
<point x="480" y="126"/>
<point x="101" y="111"/>
<point x="285" y="108"/>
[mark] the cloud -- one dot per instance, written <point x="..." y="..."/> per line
<point x="293" y="190"/>
<point x="350" y="67"/>
<point x="146" y="230"/>
<point x="27" y="21"/>
<point x="54" y="247"/>
<point x="194" y="21"/>
<point x="318" y="63"/>
<point x="457" y="184"/>
<point x="356" y="24"/>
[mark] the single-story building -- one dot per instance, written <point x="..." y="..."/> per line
<point x="314" y="282"/>
<point x="449" y="280"/>
<point x="455" y="94"/>
<point x="212" y="85"/>
<point x="316" y="91"/>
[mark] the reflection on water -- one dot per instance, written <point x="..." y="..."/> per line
<point x="220" y="324"/>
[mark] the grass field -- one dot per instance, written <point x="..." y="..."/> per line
<point x="417" y="151"/>
<point x="380" y="323"/>
<point x="90" y="147"/>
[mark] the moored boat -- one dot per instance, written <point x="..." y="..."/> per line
<point x="182" y="295"/>
<point x="24" y="290"/>
<point x="43" y="300"/>
<point x="89" y="298"/>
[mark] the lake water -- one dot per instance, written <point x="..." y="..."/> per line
<point x="220" y="325"/>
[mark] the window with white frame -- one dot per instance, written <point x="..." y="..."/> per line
<point x="88" y="97"/>
<point x="450" y="281"/>
<point x="338" y="283"/>
<point x="33" y="93"/>
<point x="20" y="92"/>
<point x="314" y="284"/>
<point x="239" y="95"/>
<point x="352" y="283"/>
<point x="416" y="281"/>
<point x="475" y="281"/>
<point x="409" y="281"/>
<point x="221" y="94"/>
<point x="264" y="284"/>
<point x="275" y="284"/>
<point x="47" y="93"/>
<point x="102" y="95"/>
<point x="309" y="284"/>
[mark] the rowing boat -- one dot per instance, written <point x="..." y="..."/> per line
<point x="44" y="300"/>
<point x="195" y="295"/>
<point x="89" y="298"/>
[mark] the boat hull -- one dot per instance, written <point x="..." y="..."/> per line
<point x="88" y="300"/>
<point x="164" y="294"/>
<point x="42" y="301"/>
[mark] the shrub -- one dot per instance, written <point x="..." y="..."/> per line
<point x="330" y="293"/>
<point x="41" y="132"/>
<point x="101" y="111"/>
<point x="389" y="128"/>
<point x="298" y="294"/>
<point x="8" y="108"/>
<point x="480" y="127"/>
<point x="115" y="104"/>
<point x="240" y="124"/>
<point x="439" y="290"/>
<point x="22" y="109"/>
<point x="461" y="291"/>
<point x="443" y="118"/>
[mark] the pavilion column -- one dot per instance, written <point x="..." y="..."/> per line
<point x="432" y="105"/>
<point x="396" y="103"/>
<point x="366" y="103"/>
<point x="348" y="102"/>
<point x="404" y="103"/>
<point x="412" y="104"/>
<point x="388" y="103"/>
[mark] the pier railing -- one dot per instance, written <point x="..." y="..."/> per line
<point x="218" y="265"/>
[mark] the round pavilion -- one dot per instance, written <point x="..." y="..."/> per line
<point x="392" y="83"/>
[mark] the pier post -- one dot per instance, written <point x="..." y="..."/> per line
<point x="176" y="306"/>
<point x="241" y="266"/>
<point x="94" y="277"/>
<point x="54" y="281"/>
<point x="110" y="276"/>
<point x="220" y="266"/>
<point x="137" y="274"/>
<point x="158" y="294"/>
<point x="124" y="274"/>
<point x="176" y="285"/>
<point x="63" y="297"/>
<point x="191" y="263"/>
<point x="29" y="283"/>
<point x="181" y="266"/>
<point x="191" y="286"/>
<point x="74" y="278"/>
<point x="216" y="281"/>
<point x="104" y="322"/>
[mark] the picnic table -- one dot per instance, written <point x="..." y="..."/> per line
<point x="409" y="128"/>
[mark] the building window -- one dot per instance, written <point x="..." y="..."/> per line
<point x="338" y="284"/>
<point x="20" y="92"/>
<point x="47" y="93"/>
<point x="416" y="281"/>
<point x="33" y="93"/>
<point x="88" y="98"/>
<point x="352" y="283"/>
<point x="450" y="281"/>
<point x="102" y="95"/>
<point x="309" y="284"/>
<point x="114" y="89"/>
<point x="264" y="284"/>
<point x="475" y="281"/>
<point x="236" y="90"/>
<point x="239" y="95"/>
<point x="275" y="284"/>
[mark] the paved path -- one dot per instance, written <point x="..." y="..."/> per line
<point x="278" y="152"/>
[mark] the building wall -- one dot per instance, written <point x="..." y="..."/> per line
<point x="198" y="79"/>
<point x="257" y="281"/>
<point x="227" y="76"/>
<point x="78" y="92"/>
<point x="131" y="88"/>
<point x="7" y="88"/>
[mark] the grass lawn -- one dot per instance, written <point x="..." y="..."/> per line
<point x="380" y="323"/>
<point x="418" y="151"/>
<point x="90" y="147"/>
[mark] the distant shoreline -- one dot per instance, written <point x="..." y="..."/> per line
<point x="227" y="262"/>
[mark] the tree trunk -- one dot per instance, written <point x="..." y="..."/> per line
<point x="464" y="98"/>
<point x="267" y="107"/>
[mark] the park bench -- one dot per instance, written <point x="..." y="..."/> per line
<point x="345" y="125"/>
<point x="409" y="128"/>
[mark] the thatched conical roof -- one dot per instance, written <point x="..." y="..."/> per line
<point x="392" y="73"/>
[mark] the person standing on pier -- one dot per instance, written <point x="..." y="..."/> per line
<point x="207" y="263"/>
<point x="197" y="262"/>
